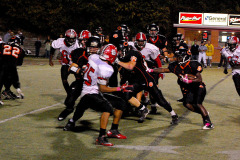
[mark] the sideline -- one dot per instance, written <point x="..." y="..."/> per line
<point x="24" y="114"/>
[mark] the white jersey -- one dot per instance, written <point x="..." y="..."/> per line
<point x="233" y="59"/>
<point x="64" y="50"/>
<point x="98" y="72"/>
<point x="149" y="52"/>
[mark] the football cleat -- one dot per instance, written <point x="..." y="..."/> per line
<point x="153" y="110"/>
<point x="103" y="141"/>
<point x="174" y="119"/>
<point x="114" y="133"/>
<point x="64" y="114"/>
<point x="180" y="100"/>
<point x="1" y="103"/>
<point x="143" y="113"/>
<point x="14" y="96"/>
<point x="7" y="95"/>
<point x="208" y="126"/>
<point x="20" y="94"/>
<point x="69" y="126"/>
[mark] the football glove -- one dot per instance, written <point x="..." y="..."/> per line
<point x="82" y="70"/>
<point x="149" y="70"/>
<point x="126" y="88"/>
<point x="186" y="80"/>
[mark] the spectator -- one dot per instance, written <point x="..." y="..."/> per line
<point x="38" y="45"/>
<point x="202" y="53"/>
<point x="209" y="53"/>
<point x="48" y="39"/>
<point x="194" y="50"/>
<point x="47" y="47"/>
<point x="7" y="36"/>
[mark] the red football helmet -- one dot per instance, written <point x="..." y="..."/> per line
<point x="70" y="37"/>
<point x="232" y="43"/>
<point x="84" y="35"/>
<point x="108" y="53"/>
<point x="141" y="40"/>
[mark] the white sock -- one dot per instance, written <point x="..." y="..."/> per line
<point x="172" y="113"/>
<point x="143" y="107"/>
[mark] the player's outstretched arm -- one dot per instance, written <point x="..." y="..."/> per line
<point x="158" y="70"/>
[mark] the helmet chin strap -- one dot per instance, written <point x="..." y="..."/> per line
<point x="184" y="61"/>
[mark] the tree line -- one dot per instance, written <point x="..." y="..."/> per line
<point x="55" y="16"/>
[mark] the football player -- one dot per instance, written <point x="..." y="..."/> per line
<point x="83" y="36"/>
<point x="96" y="76"/>
<point x="194" y="88"/>
<point x="232" y="55"/>
<point x="66" y="46"/>
<point x="178" y="43"/>
<point x="11" y="56"/>
<point x="157" y="39"/>
<point x="151" y="55"/>
<point x="99" y="32"/>
<point x="142" y="80"/>
<point x="79" y="57"/>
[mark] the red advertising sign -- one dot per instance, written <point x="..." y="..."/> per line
<point x="234" y="20"/>
<point x="190" y="18"/>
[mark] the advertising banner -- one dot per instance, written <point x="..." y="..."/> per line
<point x="190" y="18"/>
<point x="215" y="19"/>
<point x="234" y="20"/>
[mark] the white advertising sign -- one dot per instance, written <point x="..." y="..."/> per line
<point x="215" y="19"/>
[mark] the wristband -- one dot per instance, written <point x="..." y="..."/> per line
<point x="118" y="88"/>
<point x="149" y="70"/>
<point x="74" y="69"/>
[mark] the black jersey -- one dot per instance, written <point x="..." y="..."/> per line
<point x="159" y="41"/>
<point x="190" y="67"/>
<point x="11" y="54"/>
<point x="79" y="56"/>
<point x="138" y="74"/>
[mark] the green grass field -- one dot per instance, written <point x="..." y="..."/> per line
<point x="29" y="129"/>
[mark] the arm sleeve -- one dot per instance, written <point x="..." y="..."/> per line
<point x="158" y="61"/>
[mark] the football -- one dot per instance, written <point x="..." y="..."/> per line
<point x="190" y="76"/>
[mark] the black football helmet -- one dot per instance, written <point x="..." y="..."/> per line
<point x="177" y="37"/>
<point x="123" y="30"/>
<point x="98" y="30"/>
<point x="93" y="42"/>
<point x="124" y="47"/>
<point x="182" y="56"/>
<point x="153" y="27"/>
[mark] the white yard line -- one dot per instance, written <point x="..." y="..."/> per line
<point x="24" y="114"/>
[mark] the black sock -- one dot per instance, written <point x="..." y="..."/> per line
<point x="102" y="132"/>
<point x="114" y="126"/>
<point x="206" y="119"/>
